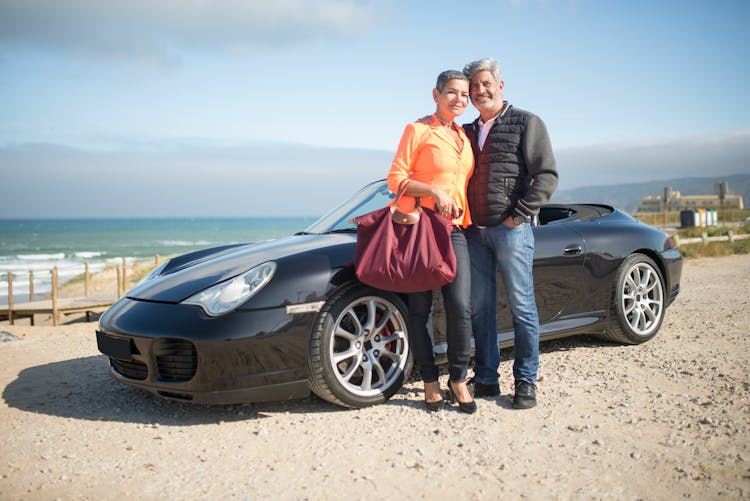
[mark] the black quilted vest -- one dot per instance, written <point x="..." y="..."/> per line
<point x="500" y="177"/>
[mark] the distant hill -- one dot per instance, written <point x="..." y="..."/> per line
<point x="628" y="196"/>
<point x="623" y="163"/>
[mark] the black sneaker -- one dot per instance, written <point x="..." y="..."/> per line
<point x="484" y="390"/>
<point x="525" y="397"/>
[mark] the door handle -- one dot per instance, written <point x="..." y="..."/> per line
<point x="572" y="250"/>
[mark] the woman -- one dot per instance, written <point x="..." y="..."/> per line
<point x="436" y="154"/>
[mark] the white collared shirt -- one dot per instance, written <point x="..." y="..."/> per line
<point x="484" y="127"/>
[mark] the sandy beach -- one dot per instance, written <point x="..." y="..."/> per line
<point x="668" y="419"/>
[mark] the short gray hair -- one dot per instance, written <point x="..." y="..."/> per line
<point x="485" y="64"/>
<point x="447" y="76"/>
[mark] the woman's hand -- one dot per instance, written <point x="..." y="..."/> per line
<point x="445" y="204"/>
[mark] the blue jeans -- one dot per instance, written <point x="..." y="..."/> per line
<point x="458" y="319"/>
<point x="509" y="251"/>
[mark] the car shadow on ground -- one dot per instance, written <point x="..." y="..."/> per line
<point x="82" y="388"/>
<point x="568" y="344"/>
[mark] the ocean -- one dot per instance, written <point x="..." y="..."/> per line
<point x="39" y="245"/>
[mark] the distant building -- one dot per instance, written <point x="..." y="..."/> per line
<point x="678" y="202"/>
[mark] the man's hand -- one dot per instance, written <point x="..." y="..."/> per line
<point x="509" y="222"/>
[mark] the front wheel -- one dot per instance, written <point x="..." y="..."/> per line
<point x="359" y="348"/>
<point x="638" y="301"/>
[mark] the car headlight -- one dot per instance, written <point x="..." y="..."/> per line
<point x="228" y="295"/>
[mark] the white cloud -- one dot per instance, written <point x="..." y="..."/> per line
<point x="138" y="29"/>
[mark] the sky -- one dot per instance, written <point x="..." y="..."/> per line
<point x="240" y="108"/>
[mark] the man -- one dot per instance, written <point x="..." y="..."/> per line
<point x="514" y="175"/>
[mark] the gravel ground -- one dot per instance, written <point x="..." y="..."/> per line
<point x="665" y="420"/>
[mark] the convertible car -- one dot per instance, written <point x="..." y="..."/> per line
<point x="275" y="320"/>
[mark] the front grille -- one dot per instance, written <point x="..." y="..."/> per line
<point x="132" y="369"/>
<point x="176" y="359"/>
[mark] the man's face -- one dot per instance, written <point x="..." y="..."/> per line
<point x="486" y="93"/>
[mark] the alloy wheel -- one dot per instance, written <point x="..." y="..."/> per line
<point x="642" y="298"/>
<point x="369" y="347"/>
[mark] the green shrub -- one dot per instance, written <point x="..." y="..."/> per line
<point x="715" y="249"/>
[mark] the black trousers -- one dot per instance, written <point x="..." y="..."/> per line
<point x="456" y="299"/>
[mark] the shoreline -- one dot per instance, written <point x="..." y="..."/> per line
<point x="68" y="288"/>
<point x="38" y="245"/>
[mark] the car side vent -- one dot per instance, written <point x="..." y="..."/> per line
<point x="132" y="369"/>
<point x="176" y="359"/>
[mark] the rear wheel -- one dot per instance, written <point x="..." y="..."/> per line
<point x="359" y="349"/>
<point x="638" y="301"/>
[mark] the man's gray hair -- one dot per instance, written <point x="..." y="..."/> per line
<point x="486" y="64"/>
<point x="447" y="76"/>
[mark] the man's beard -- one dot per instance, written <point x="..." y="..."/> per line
<point x="487" y="104"/>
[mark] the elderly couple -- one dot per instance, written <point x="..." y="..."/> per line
<point x="490" y="177"/>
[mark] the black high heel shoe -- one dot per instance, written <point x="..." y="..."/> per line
<point x="434" y="406"/>
<point x="467" y="407"/>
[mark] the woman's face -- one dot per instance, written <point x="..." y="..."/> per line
<point x="454" y="99"/>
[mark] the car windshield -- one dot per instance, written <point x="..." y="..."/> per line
<point x="372" y="197"/>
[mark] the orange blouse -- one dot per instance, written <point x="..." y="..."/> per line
<point x="430" y="155"/>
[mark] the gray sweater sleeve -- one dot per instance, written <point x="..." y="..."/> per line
<point x="540" y="163"/>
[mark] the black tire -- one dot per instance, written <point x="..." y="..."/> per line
<point x="638" y="301"/>
<point x="359" y="348"/>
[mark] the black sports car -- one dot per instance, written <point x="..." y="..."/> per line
<point x="274" y="320"/>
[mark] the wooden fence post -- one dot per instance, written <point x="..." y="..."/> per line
<point x="55" y="311"/>
<point x="31" y="292"/>
<point x="10" y="298"/>
<point x="86" y="279"/>
<point x="124" y="275"/>
<point x="119" y="281"/>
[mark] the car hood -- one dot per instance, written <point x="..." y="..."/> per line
<point x="191" y="273"/>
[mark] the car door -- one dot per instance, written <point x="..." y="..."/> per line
<point x="559" y="254"/>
